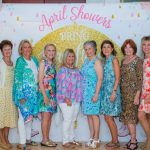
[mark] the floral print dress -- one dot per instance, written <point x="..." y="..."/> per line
<point x="108" y="107"/>
<point x="146" y="86"/>
<point x="49" y="82"/>
<point x="89" y="83"/>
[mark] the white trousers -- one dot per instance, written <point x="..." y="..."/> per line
<point x="24" y="129"/>
<point x="70" y="114"/>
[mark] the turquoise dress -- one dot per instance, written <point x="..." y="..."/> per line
<point x="49" y="82"/>
<point x="88" y="88"/>
<point x="108" y="107"/>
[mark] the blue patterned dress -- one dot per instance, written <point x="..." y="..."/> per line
<point x="49" y="82"/>
<point x="89" y="83"/>
<point x="108" y="107"/>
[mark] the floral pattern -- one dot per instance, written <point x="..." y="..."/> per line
<point x="108" y="107"/>
<point x="88" y="87"/>
<point x="49" y="82"/>
<point x="69" y="85"/>
<point x="25" y="88"/>
<point x="146" y="86"/>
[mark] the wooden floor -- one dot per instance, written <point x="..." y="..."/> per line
<point x="59" y="147"/>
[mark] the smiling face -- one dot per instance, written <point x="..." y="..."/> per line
<point x="7" y="51"/>
<point x="107" y="50"/>
<point x="70" y="59"/>
<point x="146" y="48"/>
<point x="26" y="50"/>
<point x="50" y="52"/>
<point x="129" y="51"/>
<point x="89" y="51"/>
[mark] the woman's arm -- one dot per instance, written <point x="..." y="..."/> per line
<point x="139" y="75"/>
<point x="99" y="72"/>
<point x="117" y="78"/>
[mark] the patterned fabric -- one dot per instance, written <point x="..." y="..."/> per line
<point x="146" y="86"/>
<point x="89" y="85"/>
<point x="49" y="82"/>
<point x="69" y="85"/>
<point x="108" y="107"/>
<point x="26" y="88"/>
<point x="8" y="111"/>
<point x="131" y="82"/>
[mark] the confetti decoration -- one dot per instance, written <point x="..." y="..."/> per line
<point x="113" y="16"/>
<point x="18" y="19"/>
<point x="138" y="15"/>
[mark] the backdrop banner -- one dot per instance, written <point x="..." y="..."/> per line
<point x="69" y="26"/>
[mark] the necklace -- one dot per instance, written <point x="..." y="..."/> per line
<point x="129" y="59"/>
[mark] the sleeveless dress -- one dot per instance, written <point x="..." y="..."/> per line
<point x="108" y="107"/>
<point x="88" y="88"/>
<point x="8" y="111"/>
<point x="49" y="82"/>
<point x="146" y="86"/>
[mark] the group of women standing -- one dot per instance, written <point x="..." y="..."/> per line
<point x="101" y="87"/>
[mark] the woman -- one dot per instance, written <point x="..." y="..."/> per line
<point x="92" y="73"/>
<point x="25" y="92"/>
<point x="144" y="108"/>
<point x="47" y="94"/>
<point x="69" y="96"/>
<point x="8" y="115"/>
<point x="131" y="83"/>
<point x="110" y="91"/>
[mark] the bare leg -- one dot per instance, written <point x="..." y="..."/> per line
<point x="112" y="127"/>
<point x="2" y="139"/>
<point x="44" y="125"/>
<point x="49" y="123"/>
<point x="90" y="123"/>
<point x="5" y="134"/>
<point x="145" y="123"/>
<point x="96" y="125"/>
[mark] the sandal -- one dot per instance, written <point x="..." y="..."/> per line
<point x="133" y="146"/>
<point x="4" y="146"/>
<point x="68" y="145"/>
<point x="95" y="144"/>
<point x="48" y="144"/>
<point x="76" y="143"/>
<point x="23" y="147"/>
<point x="32" y="143"/>
<point x="127" y="144"/>
<point x="113" y="145"/>
<point x="52" y="142"/>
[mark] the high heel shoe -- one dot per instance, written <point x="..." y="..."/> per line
<point x="132" y="146"/>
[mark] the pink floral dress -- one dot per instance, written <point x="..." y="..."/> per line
<point x="146" y="86"/>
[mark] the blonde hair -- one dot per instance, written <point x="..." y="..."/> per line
<point x="145" y="38"/>
<point x="46" y="46"/>
<point x="66" y="53"/>
<point x="21" y="44"/>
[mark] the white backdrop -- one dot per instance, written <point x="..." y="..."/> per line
<point x="69" y="26"/>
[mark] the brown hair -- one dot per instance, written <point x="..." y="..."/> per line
<point x="111" y="44"/>
<point x="145" y="38"/>
<point x="131" y="43"/>
<point x="4" y="43"/>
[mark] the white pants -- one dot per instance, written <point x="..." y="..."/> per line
<point x="70" y="114"/>
<point x="24" y="129"/>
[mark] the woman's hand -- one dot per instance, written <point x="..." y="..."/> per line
<point x="22" y="101"/>
<point x="136" y="99"/>
<point x="113" y="96"/>
<point x="53" y="104"/>
<point x="46" y="100"/>
<point x="68" y="101"/>
<point x="95" y="98"/>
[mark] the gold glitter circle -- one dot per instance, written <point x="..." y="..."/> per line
<point x="72" y="36"/>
